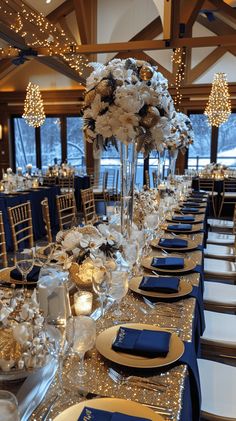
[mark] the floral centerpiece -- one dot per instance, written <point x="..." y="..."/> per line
<point x="87" y="250"/>
<point x="217" y="170"/>
<point x="180" y="133"/>
<point x="127" y="100"/>
<point x="23" y="339"/>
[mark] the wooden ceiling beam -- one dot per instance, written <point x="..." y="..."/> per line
<point x="206" y="63"/>
<point x="6" y="66"/>
<point x="224" y="9"/>
<point x="11" y="37"/>
<point x="82" y="11"/>
<point x="151" y="31"/>
<point x="219" y="27"/>
<point x="130" y="46"/>
<point x="61" y="11"/>
<point x="60" y="67"/>
<point x="189" y="13"/>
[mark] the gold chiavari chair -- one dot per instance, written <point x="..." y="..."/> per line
<point x="88" y="204"/>
<point x="228" y="196"/>
<point x="209" y="186"/>
<point x="66" y="184"/>
<point x="3" y="251"/>
<point x="66" y="209"/>
<point x="20" y="218"/>
<point x="49" y="181"/>
<point x="46" y="219"/>
<point x="147" y="179"/>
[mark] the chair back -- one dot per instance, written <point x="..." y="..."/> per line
<point x="3" y="251"/>
<point x="46" y="219"/>
<point x="66" y="184"/>
<point x="206" y="184"/>
<point x="229" y="185"/>
<point x="66" y="209"/>
<point x="20" y="217"/>
<point x="49" y="181"/>
<point x="88" y="204"/>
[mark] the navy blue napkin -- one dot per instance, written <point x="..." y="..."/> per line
<point x="189" y="210"/>
<point x="197" y="199"/>
<point x="180" y="227"/>
<point x="95" y="414"/>
<point x="173" y="242"/>
<point x="192" y="204"/>
<point x="199" y="194"/>
<point x="148" y="343"/>
<point x="183" y="218"/>
<point x="31" y="277"/>
<point x="168" y="262"/>
<point x="165" y="285"/>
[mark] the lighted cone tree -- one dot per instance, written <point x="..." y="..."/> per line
<point x="34" y="114"/>
<point x="218" y="108"/>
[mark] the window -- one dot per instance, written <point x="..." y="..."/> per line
<point x="200" y="151"/>
<point x="50" y="137"/>
<point x="75" y="141"/>
<point x="25" y="144"/>
<point x="226" y="153"/>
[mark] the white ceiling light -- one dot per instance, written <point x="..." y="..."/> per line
<point x="48" y="1"/>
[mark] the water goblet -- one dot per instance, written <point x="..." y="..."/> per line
<point x="43" y="252"/>
<point x="101" y="284"/>
<point x="84" y="340"/>
<point x="8" y="406"/>
<point x="118" y="289"/>
<point x="24" y="261"/>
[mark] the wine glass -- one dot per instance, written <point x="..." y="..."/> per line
<point x="131" y="253"/>
<point x="84" y="340"/>
<point x="118" y="289"/>
<point x="8" y="406"/>
<point x="101" y="285"/>
<point x="24" y="262"/>
<point x="43" y="252"/>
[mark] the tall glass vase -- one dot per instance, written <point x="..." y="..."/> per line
<point x="173" y="155"/>
<point x="128" y="158"/>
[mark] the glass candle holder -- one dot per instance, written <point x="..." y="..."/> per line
<point x="83" y="301"/>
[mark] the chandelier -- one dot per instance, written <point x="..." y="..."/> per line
<point x="34" y="114"/>
<point x="218" y="108"/>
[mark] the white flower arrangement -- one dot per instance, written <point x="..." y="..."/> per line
<point x="180" y="132"/>
<point x="127" y="100"/>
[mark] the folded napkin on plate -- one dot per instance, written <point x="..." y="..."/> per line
<point x="193" y="204"/>
<point x="180" y="227"/>
<point x="148" y="343"/>
<point x="197" y="193"/>
<point x="168" y="262"/>
<point x="31" y="277"/>
<point x="186" y="218"/>
<point x="95" y="414"/>
<point x="173" y="242"/>
<point x="189" y="210"/>
<point x="165" y="285"/>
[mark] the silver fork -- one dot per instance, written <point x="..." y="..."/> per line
<point x="165" y="308"/>
<point x="139" y="381"/>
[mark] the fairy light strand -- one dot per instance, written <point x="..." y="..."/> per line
<point x="178" y="59"/>
<point x="218" y="108"/>
<point x="34" y="114"/>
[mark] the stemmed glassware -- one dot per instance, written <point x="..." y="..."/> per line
<point x="118" y="290"/>
<point x="101" y="285"/>
<point x="8" y="406"/>
<point x="131" y="251"/>
<point x="43" y="252"/>
<point x="24" y="261"/>
<point x="83" y="341"/>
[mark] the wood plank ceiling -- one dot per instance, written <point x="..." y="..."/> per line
<point x="18" y="31"/>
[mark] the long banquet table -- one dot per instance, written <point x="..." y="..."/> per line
<point x="181" y="397"/>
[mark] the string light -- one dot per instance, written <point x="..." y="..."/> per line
<point x="33" y="108"/>
<point x="179" y="59"/>
<point x="218" y="107"/>
<point x="38" y="32"/>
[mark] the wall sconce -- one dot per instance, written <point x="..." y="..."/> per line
<point x="0" y="131"/>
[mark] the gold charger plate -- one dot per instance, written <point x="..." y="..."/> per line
<point x="198" y="220"/>
<point x="195" y="228"/>
<point x="184" y="289"/>
<point x="191" y="245"/>
<point x="112" y="405"/>
<point x="105" y="340"/>
<point x="189" y="264"/>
